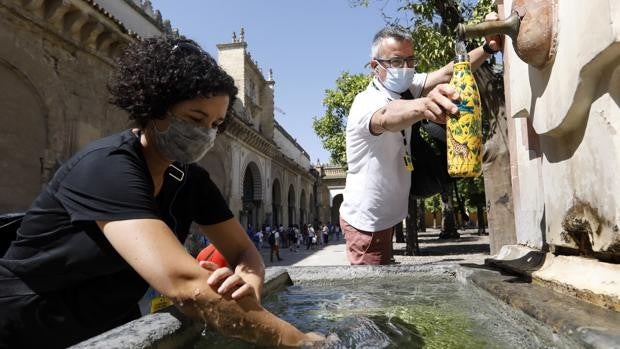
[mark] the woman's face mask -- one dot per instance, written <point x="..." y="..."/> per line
<point x="398" y="79"/>
<point x="184" y="141"/>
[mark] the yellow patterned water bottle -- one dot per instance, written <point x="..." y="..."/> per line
<point x="464" y="131"/>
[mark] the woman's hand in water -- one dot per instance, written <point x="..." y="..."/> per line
<point x="224" y="280"/>
<point x="312" y="337"/>
<point x="317" y="340"/>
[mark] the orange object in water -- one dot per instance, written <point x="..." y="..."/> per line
<point x="211" y="254"/>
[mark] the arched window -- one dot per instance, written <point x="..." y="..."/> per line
<point x="251" y="195"/>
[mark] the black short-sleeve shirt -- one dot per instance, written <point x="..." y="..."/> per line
<point x="61" y="250"/>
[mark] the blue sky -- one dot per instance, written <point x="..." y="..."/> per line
<point x="307" y="43"/>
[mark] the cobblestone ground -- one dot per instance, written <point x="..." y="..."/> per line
<point x="469" y="248"/>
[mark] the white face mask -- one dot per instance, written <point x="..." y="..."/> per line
<point x="398" y="79"/>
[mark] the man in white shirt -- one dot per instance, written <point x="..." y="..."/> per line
<point x="259" y="239"/>
<point x="377" y="141"/>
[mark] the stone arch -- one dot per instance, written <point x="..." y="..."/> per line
<point x="251" y="196"/>
<point x="303" y="210"/>
<point x="291" y="205"/>
<point x="23" y="140"/>
<point x="276" y="202"/>
<point x="252" y="163"/>
<point x="335" y="209"/>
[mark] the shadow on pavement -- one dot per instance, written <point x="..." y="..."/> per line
<point x="453" y="249"/>
<point x="470" y="243"/>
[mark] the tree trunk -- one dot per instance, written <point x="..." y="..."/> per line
<point x="398" y="232"/>
<point x="421" y="215"/>
<point x="480" y="211"/>
<point x="448" y="224"/>
<point x="496" y="160"/>
<point x="463" y="217"/>
<point x="412" y="248"/>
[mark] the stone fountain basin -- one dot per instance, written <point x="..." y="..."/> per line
<point x="578" y="322"/>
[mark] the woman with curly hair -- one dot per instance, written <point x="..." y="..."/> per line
<point x="112" y="219"/>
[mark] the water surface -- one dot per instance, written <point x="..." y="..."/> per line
<point x="418" y="310"/>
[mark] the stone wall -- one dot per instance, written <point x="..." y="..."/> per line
<point x="290" y="148"/>
<point x="55" y="60"/>
<point x="565" y="144"/>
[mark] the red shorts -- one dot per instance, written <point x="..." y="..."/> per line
<point x="367" y="248"/>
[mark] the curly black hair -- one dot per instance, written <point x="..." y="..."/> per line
<point x="154" y="74"/>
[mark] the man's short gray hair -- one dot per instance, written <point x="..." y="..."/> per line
<point x="388" y="32"/>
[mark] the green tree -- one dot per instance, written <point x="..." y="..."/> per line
<point x="433" y="205"/>
<point x="331" y="127"/>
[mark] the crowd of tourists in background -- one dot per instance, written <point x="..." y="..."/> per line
<point x="294" y="237"/>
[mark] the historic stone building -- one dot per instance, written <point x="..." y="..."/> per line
<point x="56" y="58"/>
<point x="263" y="172"/>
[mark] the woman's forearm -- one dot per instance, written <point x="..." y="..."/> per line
<point x="243" y="318"/>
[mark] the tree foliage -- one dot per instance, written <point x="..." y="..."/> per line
<point x="331" y="127"/>
<point x="433" y="23"/>
<point x="432" y="204"/>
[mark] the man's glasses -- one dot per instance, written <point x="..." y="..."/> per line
<point x="398" y="62"/>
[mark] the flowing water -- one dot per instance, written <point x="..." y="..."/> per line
<point x="460" y="49"/>
<point x="413" y="311"/>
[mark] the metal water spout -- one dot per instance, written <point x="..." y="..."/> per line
<point x="509" y="26"/>
<point x="532" y="26"/>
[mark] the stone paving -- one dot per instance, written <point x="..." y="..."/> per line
<point x="470" y="248"/>
<point x="333" y="253"/>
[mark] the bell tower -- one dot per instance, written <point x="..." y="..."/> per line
<point x="255" y="92"/>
